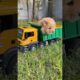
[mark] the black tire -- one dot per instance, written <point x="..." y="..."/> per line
<point x="41" y="45"/>
<point x="51" y="42"/>
<point x="57" y="40"/>
<point x="23" y="49"/>
<point x="68" y="46"/>
<point x="46" y="43"/>
<point x="11" y="68"/>
<point x="76" y="45"/>
<point x="71" y="45"/>
<point x="33" y="48"/>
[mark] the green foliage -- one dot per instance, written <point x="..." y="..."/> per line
<point x="42" y="64"/>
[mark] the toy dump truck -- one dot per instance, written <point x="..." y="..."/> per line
<point x="30" y="37"/>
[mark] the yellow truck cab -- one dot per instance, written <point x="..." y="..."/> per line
<point x="27" y="35"/>
<point x="27" y="38"/>
<point x="8" y="34"/>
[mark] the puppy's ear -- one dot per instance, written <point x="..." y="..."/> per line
<point x="46" y="22"/>
<point x="40" y="22"/>
<point x="43" y="23"/>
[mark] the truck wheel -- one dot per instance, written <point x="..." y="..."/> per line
<point x="51" y="42"/>
<point x="41" y="45"/>
<point x="11" y="68"/>
<point x="57" y="40"/>
<point x="33" y="48"/>
<point x="77" y="45"/>
<point x="46" y="43"/>
<point x="67" y="47"/>
<point x="23" y="49"/>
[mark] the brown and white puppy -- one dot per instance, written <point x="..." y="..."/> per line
<point x="48" y="25"/>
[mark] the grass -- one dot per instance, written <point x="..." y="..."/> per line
<point x="42" y="64"/>
<point x="46" y="64"/>
<point x="71" y="66"/>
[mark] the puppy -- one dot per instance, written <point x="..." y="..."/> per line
<point x="48" y="25"/>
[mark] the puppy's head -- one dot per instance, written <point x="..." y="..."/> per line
<point x="48" y="25"/>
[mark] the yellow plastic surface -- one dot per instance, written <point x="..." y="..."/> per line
<point x="8" y="7"/>
<point x="6" y="38"/>
<point x="31" y="39"/>
<point x="58" y="26"/>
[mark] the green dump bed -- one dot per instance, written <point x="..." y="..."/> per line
<point x="44" y="37"/>
<point x="71" y="29"/>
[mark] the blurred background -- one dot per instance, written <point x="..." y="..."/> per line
<point x="37" y="9"/>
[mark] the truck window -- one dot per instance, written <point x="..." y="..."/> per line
<point x="29" y="34"/>
<point x="70" y="2"/>
<point x="8" y="22"/>
<point x="20" y="33"/>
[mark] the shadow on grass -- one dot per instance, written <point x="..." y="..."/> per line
<point x="71" y="66"/>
